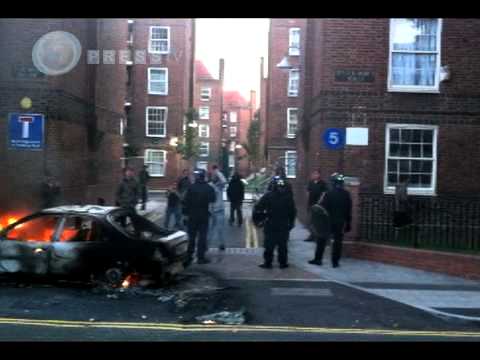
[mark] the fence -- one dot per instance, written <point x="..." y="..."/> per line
<point x="449" y="224"/>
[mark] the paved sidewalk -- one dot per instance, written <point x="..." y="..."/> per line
<point x="433" y="292"/>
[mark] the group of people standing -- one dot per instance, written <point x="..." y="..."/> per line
<point x="329" y="213"/>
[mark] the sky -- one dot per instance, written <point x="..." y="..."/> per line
<point x="241" y="42"/>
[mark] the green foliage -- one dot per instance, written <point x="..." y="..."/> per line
<point x="188" y="144"/>
<point x="252" y="147"/>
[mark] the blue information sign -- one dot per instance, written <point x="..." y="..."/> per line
<point x="334" y="138"/>
<point x="26" y="131"/>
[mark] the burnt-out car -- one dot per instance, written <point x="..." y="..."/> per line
<point x="98" y="241"/>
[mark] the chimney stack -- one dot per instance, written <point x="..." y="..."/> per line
<point x="261" y="68"/>
<point x="253" y="100"/>
<point x="221" y="71"/>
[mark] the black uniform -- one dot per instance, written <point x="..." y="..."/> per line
<point x="315" y="190"/>
<point x="281" y="213"/>
<point x="338" y="203"/>
<point x="236" y="194"/>
<point x="197" y="200"/>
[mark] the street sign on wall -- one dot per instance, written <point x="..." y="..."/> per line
<point x="26" y="131"/>
<point x="334" y="138"/>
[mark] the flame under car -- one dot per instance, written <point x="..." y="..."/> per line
<point x="79" y="241"/>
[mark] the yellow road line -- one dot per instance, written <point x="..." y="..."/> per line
<point x="230" y="328"/>
<point x="248" y="236"/>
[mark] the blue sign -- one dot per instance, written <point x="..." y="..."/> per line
<point x="334" y="138"/>
<point x="25" y="131"/>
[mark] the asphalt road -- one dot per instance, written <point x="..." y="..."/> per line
<point x="274" y="311"/>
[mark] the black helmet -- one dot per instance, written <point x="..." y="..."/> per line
<point x="278" y="183"/>
<point x="337" y="179"/>
<point x="200" y="174"/>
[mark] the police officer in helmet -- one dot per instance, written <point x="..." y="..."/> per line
<point x="279" y="207"/>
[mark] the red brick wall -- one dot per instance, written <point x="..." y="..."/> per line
<point x="178" y="63"/>
<point x="465" y="266"/>
<point x="70" y="102"/>
<point x="362" y="44"/>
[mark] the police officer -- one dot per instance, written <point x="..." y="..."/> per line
<point x="197" y="200"/>
<point x="279" y="206"/>
<point x="316" y="187"/>
<point x="338" y="204"/>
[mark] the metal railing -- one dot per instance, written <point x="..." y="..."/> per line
<point x="448" y="224"/>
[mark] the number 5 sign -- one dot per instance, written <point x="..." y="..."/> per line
<point x="334" y="138"/>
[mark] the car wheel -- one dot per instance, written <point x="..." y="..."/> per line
<point x="114" y="276"/>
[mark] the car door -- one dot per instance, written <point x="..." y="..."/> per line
<point x="25" y="245"/>
<point x="80" y="247"/>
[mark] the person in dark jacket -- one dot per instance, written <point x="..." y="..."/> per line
<point x="338" y="204"/>
<point x="316" y="187"/>
<point x="51" y="192"/>
<point x="279" y="207"/>
<point x="183" y="183"/>
<point x="197" y="201"/>
<point x="128" y="192"/>
<point x="174" y="207"/>
<point x="280" y="172"/>
<point x="143" y="178"/>
<point x="236" y="195"/>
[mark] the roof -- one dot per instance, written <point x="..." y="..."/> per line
<point x="201" y="71"/>
<point x="234" y="98"/>
<point x="79" y="209"/>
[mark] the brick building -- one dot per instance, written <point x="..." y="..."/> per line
<point x="83" y="110"/>
<point x="208" y="102"/>
<point x="160" y="92"/>
<point x="238" y="115"/>
<point x="284" y="94"/>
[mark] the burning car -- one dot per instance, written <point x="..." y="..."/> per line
<point x="103" y="242"/>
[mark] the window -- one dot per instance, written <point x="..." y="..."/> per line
<point x="291" y="164"/>
<point x="156" y="121"/>
<point x="411" y="154"/>
<point x="204" y="149"/>
<point x="292" y="122"/>
<point x="156" y="161"/>
<point x="233" y="116"/>
<point x="159" y="40"/>
<point x="81" y="229"/>
<point x="202" y="165"/>
<point x="233" y="131"/>
<point x="293" y="82"/>
<point x="204" y="112"/>
<point x="414" y="55"/>
<point x="232" y="146"/>
<point x="158" y="81"/>
<point x="294" y="42"/>
<point x="40" y="228"/>
<point x="205" y="94"/>
<point x="204" y="130"/>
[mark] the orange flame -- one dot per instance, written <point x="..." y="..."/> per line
<point x="130" y="280"/>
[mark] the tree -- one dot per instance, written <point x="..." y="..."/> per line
<point x="188" y="145"/>
<point x="252" y="147"/>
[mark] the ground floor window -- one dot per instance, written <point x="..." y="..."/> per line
<point x="291" y="164"/>
<point x="202" y="165"/>
<point x="411" y="155"/>
<point x="156" y="161"/>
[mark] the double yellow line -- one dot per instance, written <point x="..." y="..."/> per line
<point x="231" y="328"/>
<point x="251" y="238"/>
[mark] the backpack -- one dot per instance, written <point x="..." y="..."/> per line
<point x="320" y="220"/>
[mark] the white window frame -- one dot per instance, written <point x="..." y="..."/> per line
<point x="291" y="135"/>
<point x="235" y="132"/>
<point x="166" y="81"/>
<point x="150" y="50"/>
<point x="207" y="146"/>
<point x="203" y="128"/>
<point x="294" y="50"/>
<point x="164" y="156"/>
<point x="234" y="118"/>
<point x="202" y="93"/>
<point x="411" y="190"/>
<point x="165" y="117"/>
<point x="231" y="161"/>
<point x="291" y="91"/>
<point x="287" y="153"/>
<point x="201" y="115"/>
<point x="435" y="89"/>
